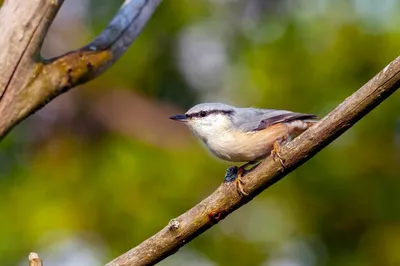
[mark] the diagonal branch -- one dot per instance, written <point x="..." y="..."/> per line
<point x="33" y="82"/>
<point x="225" y="199"/>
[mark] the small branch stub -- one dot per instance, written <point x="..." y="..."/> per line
<point x="173" y="225"/>
<point x="34" y="260"/>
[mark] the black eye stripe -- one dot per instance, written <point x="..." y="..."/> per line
<point x="206" y="113"/>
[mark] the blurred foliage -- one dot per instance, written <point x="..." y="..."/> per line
<point x="66" y="174"/>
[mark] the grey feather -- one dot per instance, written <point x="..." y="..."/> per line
<point x="210" y="107"/>
<point x="252" y="119"/>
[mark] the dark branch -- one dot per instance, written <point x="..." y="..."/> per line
<point x="38" y="81"/>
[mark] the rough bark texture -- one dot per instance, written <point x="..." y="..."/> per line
<point x="225" y="199"/>
<point x="28" y="82"/>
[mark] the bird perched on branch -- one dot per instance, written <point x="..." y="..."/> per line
<point x="244" y="134"/>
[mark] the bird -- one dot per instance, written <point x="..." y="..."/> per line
<point x="244" y="134"/>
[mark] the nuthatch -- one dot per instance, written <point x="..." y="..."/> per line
<point x="244" y="134"/>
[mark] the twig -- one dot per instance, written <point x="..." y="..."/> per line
<point x="225" y="199"/>
<point x="30" y="82"/>
<point x="34" y="260"/>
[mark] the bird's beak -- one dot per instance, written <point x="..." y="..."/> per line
<point x="181" y="118"/>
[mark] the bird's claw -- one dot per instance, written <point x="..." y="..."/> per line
<point x="239" y="186"/>
<point x="276" y="154"/>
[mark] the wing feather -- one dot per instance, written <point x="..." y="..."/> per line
<point x="258" y="119"/>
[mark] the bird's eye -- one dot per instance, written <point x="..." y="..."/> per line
<point x="203" y="113"/>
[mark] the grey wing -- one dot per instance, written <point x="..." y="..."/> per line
<point x="252" y="119"/>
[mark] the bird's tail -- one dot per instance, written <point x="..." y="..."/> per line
<point x="310" y="122"/>
<point x="299" y="126"/>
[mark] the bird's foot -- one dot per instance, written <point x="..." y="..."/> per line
<point x="276" y="153"/>
<point x="239" y="182"/>
<point x="235" y="173"/>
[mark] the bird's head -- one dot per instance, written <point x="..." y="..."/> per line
<point x="207" y="118"/>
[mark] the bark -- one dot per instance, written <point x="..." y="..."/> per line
<point x="27" y="81"/>
<point x="226" y="199"/>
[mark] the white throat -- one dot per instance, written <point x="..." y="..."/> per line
<point x="211" y="127"/>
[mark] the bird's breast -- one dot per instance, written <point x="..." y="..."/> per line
<point x="237" y="146"/>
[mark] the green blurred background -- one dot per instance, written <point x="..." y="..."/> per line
<point x="102" y="168"/>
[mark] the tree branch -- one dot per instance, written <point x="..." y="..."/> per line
<point x="225" y="199"/>
<point x="22" y="38"/>
<point x="28" y="82"/>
